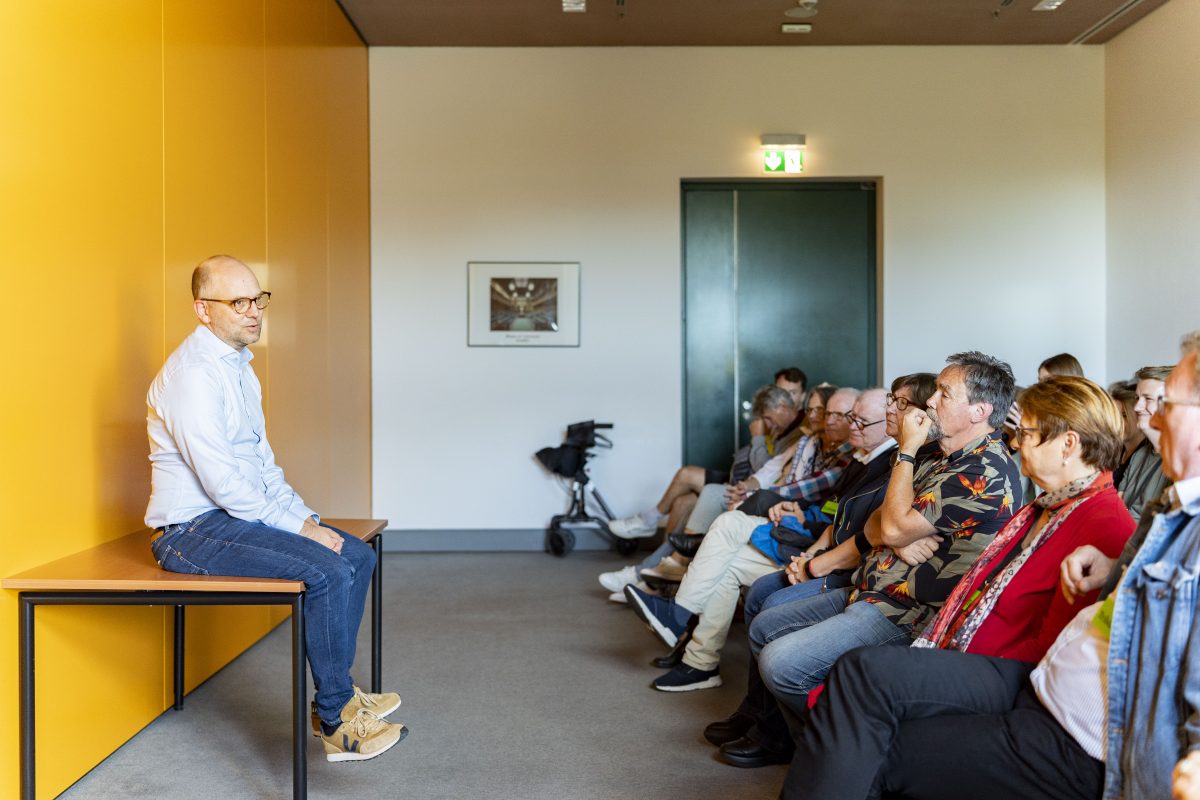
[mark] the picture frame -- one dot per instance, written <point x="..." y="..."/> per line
<point x="522" y="304"/>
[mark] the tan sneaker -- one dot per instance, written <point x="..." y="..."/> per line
<point x="361" y="737"/>
<point x="380" y="705"/>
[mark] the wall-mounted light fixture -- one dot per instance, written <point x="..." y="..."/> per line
<point x="783" y="152"/>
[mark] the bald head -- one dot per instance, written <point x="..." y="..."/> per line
<point x="210" y="270"/>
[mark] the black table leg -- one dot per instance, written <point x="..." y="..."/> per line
<point x="28" y="776"/>
<point x="377" y="617"/>
<point x="179" y="611"/>
<point x="299" y="703"/>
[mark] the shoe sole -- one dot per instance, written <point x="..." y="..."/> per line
<point x="635" y="534"/>
<point x="673" y="577"/>
<point x="618" y="597"/>
<point x="338" y="757"/>
<point x="664" y="633"/>
<point x="707" y="683"/>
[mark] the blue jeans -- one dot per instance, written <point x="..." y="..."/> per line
<point x="335" y="595"/>
<point x="774" y="590"/>
<point x="798" y="643"/>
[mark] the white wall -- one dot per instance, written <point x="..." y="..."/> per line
<point x="1153" y="167"/>
<point x="992" y="162"/>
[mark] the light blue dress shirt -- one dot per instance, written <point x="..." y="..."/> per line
<point x="208" y="440"/>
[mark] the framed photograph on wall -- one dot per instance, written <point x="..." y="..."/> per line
<point x="522" y="304"/>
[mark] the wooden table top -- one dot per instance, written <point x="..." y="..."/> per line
<point x="126" y="564"/>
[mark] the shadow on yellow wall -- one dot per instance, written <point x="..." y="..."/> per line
<point x="138" y="138"/>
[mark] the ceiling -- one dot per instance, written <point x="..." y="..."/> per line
<point x="543" y="23"/>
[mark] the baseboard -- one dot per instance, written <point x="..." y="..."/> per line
<point x="484" y="541"/>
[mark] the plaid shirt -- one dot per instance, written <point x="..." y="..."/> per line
<point x="818" y="479"/>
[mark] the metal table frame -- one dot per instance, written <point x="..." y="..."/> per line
<point x="29" y="601"/>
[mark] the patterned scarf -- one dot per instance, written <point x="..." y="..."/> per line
<point x="961" y="616"/>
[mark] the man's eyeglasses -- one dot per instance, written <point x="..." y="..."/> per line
<point x="1165" y="401"/>
<point x="860" y="423"/>
<point x="241" y="305"/>
<point x="846" y="415"/>
<point x="901" y="403"/>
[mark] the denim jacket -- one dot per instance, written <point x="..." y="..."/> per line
<point x="1153" y="713"/>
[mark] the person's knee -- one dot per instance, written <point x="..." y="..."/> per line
<point x="359" y="554"/>
<point x="774" y="665"/>
<point x="758" y="634"/>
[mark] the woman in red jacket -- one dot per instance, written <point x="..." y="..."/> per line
<point x="1008" y="605"/>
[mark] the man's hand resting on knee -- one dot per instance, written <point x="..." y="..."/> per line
<point x="312" y="530"/>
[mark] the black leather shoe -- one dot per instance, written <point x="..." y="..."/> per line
<point x="674" y="658"/>
<point x="730" y="729"/>
<point x="686" y="544"/>
<point x="748" y="753"/>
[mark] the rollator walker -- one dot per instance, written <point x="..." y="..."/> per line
<point x="569" y="460"/>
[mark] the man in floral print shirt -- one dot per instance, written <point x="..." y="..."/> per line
<point x="930" y="529"/>
<point x="937" y="518"/>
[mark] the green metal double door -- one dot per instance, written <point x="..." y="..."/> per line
<point x="776" y="274"/>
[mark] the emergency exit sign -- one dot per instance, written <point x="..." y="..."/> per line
<point x="789" y="161"/>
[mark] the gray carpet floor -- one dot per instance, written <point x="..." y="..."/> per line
<point x="519" y="680"/>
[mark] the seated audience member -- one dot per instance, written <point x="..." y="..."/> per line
<point x="775" y="418"/>
<point x="932" y="525"/>
<point x="1144" y="480"/>
<point x="1009" y="604"/>
<point x="1110" y="710"/>
<point x="802" y="469"/>
<point x="786" y="475"/>
<point x="667" y="565"/>
<point x="1061" y="364"/>
<point x="755" y="734"/>
<point x="723" y="565"/>
<point x="1125" y="395"/>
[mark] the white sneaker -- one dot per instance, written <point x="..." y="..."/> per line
<point x="667" y="570"/>
<point x="619" y="597"/>
<point x="631" y="527"/>
<point x="616" y="581"/>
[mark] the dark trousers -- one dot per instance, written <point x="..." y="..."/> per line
<point x="932" y="724"/>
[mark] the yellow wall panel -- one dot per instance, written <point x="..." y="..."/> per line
<point x="297" y="143"/>
<point x="349" y="269"/>
<point x="81" y="104"/>
<point x="135" y="139"/>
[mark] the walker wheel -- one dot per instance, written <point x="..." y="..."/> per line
<point x="559" y="541"/>
<point x="627" y="547"/>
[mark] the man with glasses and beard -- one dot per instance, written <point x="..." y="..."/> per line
<point x="220" y="505"/>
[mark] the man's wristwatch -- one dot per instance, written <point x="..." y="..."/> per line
<point x="905" y="457"/>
